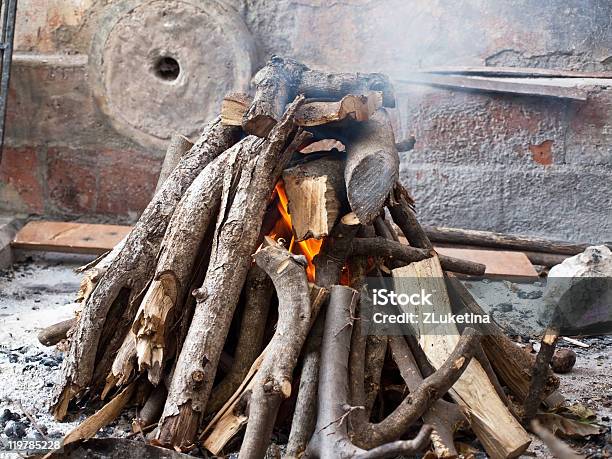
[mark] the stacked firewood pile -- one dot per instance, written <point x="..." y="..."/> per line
<point x="231" y="312"/>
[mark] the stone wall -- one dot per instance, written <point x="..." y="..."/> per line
<point x="499" y="162"/>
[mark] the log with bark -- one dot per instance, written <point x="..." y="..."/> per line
<point x="282" y="79"/>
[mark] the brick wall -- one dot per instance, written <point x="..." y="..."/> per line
<point x="498" y="162"/>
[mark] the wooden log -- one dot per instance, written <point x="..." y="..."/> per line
<point x="372" y="165"/>
<point x="273" y="380"/>
<point x="402" y="212"/>
<point x="331" y="438"/>
<point x="258" y="291"/>
<point x="152" y="408"/>
<point x="499" y="432"/>
<point x="305" y="412"/>
<point x="408" y="254"/>
<point x="330" y="260"/>
<point x="358" y="107"/>
<point x="504" y="241"/>
<point x="282" y="79"/>
<point x="536" y="393"/>
<point x="431" y="389"/>
<point x="444" y="417"/>
<point x="107" y="414"/>
<point x="234" y="414"/>
<point x="176" y="259"/>
<point x="55" y="333"/>
<point x="129" y="272"/>
<point x="511" y="362"/>
<point x="177" y="147"/>
<point x="243" y="200"/>
<point x="316" y="193"/>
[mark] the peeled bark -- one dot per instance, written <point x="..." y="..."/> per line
<point x="273" y="380"/>
<point x="244" y="200"/>
<point x="130" y="270"/>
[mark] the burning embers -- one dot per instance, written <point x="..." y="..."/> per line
<point x="159" y="309"/>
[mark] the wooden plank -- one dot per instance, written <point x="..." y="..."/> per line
<point x="530" y="72"/>
<point x="498" y="262"/>
<point x="491" y="84"/>
<point x="498" y="431"/>
<point x="69" y="237"/>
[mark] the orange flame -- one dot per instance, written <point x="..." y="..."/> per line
<point x="309" y="247"/>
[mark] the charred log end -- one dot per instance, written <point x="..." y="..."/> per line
<point x="382" y="83"/>
<point x="259" y="125"/>
<point x="369" y="186"/>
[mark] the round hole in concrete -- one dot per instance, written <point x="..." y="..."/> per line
<point x="167" y="68"/>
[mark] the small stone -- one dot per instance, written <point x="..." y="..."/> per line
<point x="13" y="358"/>
<point x="563" y="360"/>
<point x="15" y="429"/>
<point x="49" y="362"/>
<point x="504" y="307"/>
<point x="533" y="295"/>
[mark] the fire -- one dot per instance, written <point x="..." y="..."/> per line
<point x="309" y="248"/>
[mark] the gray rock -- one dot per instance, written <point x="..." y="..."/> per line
<point x="579" y="293"/>
<point x="15" y="429"/>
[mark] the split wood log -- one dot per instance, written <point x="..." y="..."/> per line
<point x="282" y="79"/>
<point x="273" y="381"/>
<point x="92" y="346"/>
<point x="512" y="363"/>
<point x="358" y="107"/>
<point x="244" y="200"/>
<point x="431" y="389"/>
<point x="408" y="254"/>
<point x="331" y="438"/>
<point x="539" y="374"/>
<point x="499" y="432"/>
<point x="192" y="217"/>
<point x="372" y="165"/>
<point x="444" y="417"/>
<point x="258" y="291"/>
<point x="316" y="194"/>
<point x="55" y="333"/>
<point x="504" y="241"/>
<point x="402" y="211"/>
